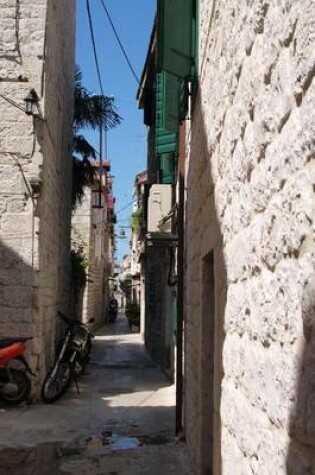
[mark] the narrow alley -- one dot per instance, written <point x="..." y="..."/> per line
<point x="122" y="422"/>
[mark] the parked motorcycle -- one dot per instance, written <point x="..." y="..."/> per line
<point x="72" y="357"/>
<point x="15" y="384"/>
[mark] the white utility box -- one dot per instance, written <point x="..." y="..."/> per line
<point x="159" y="211"/>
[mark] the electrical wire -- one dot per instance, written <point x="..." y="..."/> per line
<point x="12" y="103"/>
<point x="125" y="207"/>
<point x="119" y="42"/>
<point x="94" y="46"/>
<point x="119" y="211"/>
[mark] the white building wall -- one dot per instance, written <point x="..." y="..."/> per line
<point x="250" y="200"/>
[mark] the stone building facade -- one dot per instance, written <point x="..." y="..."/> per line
<point x="36" y="52"/>
<point x="93" y="231"/>
<point x="250" y="210"/>
<point x="158" y="256"/>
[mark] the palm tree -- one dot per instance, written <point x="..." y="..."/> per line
<point x="90" y="111"/>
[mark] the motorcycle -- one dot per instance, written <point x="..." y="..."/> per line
<point x="15" y="384"/>
<point x="72" y="357"/>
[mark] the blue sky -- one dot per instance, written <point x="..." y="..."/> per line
<point x="127" y="143"/>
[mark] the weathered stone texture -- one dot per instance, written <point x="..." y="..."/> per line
<point x="251" y="146"/>
<point x="36" y="51"/>
<point x="88" y="226"/>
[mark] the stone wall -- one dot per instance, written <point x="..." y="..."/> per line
<point x="36" y="52"/>
<point x="95" y="242"/>
<point x="250" y="205"/>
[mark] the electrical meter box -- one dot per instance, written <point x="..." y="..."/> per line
<point x="159" y="210"/>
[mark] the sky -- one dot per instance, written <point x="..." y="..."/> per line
<point x="126" y="148"/>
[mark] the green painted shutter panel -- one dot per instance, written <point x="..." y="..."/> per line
<point x="174" y="48"/>
<point x="167" y="168"/>
<point x="168" y="101"/>
<point x="171" y="109"/>
<point x="160" y="102"/>
<point x="166" y="141"/>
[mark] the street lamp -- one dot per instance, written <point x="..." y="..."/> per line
<point x="31" y="100"/>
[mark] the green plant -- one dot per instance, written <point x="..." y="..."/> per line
<point x="79" y="265"/>
<point x="90" y="112"/>
<point x="137" y="219"/>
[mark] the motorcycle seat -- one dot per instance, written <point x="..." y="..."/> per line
<point x="9" y="341"/>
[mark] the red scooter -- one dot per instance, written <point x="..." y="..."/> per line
<point x="15" y="385"/>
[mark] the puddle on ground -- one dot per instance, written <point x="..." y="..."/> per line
<point x="109" y="442"/>
<point x="44" y="459"/>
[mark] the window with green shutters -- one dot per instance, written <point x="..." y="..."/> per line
<point x="166" y="131"/>
<point x="175" y="28"/>
<point x="176" y="66"/>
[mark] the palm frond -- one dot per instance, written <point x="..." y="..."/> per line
<point x="95" y="111"/>
<point x="92" y="111"/>
<point x="82" y="147"/>
<point x="83" y="175"/>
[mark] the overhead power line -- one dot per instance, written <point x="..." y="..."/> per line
<point x="119" y="42"/>
<point x="125" y="207"/>
<point x="94" y="46"/>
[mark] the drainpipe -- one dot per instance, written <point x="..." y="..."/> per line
<point x="180" y="283"/>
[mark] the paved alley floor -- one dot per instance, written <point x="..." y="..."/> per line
<point x="121" y="423"/>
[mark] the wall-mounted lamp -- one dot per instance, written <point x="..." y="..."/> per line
<point x="31" y="102"/>
<point x="36" y="184"/>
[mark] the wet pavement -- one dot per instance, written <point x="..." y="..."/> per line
<point x="122" y="422"/>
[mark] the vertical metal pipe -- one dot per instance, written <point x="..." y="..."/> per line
<point x="180" y="283"/>
<point x="101" y="166"/>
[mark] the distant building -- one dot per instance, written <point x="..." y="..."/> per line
<point x="159" y="247"/>
<point x="93" y="231"/>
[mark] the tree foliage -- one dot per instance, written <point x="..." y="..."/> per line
<point x="90" y="112"/>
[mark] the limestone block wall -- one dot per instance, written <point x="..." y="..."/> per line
<point x="250" y="221"/>
<point x="36" y="52"/>
<point x="88" y="229"/>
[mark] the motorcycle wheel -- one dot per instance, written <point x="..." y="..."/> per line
<point x="55" y="386"/>
<point x="22" y="389"/>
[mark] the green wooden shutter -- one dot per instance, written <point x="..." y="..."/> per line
<point x="166" y="141"/>
<point x="174" y="48"/>
<point x="168" y="102"/>
<point x="167" y="168"/>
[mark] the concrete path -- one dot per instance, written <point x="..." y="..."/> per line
<point x="121" y="423"/>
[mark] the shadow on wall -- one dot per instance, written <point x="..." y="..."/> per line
<point x="206" y="288"/>
<point x="17" y="296"/>
<point x="301" y="453"/>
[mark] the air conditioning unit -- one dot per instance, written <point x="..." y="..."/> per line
<point x="159" y="209"/>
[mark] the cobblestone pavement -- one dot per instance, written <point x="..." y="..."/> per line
<point x="122" y="422"/>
